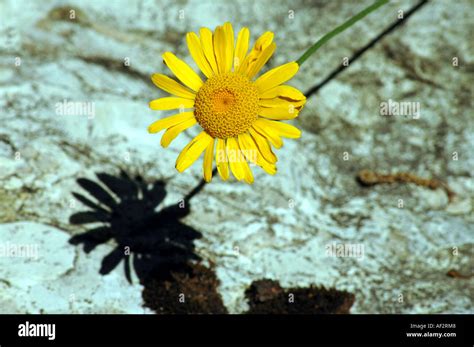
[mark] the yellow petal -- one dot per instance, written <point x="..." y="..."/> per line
<point x="248" y="147"/>
<point x="234" y="157"/>
<point x="229" y="46"/>
<point x="241" y="47"/>
<point x="168" y="122"/>
<point x="279" y="113"/>
<point x="207" y="163"/>
<point x="279" y="102"/>
<point x="261" y="60"/>
<point x="271" y="169"/>
<point x="220" y="49"/>
<point x="182" y="70"/>
<point x="283" y="91"/>
<point x="171" y="133"/>
<point x="171" y="86"/>
<point x="248" y="176"/>
<point x="247" y="143"/>
<point x="194" y="46"/>
<point x="171" y="103"/>
<point x="221" y="159"/>
<point x="268" y="133"/>
<point x="208" y="48"/>
<point x="263" y="42"/>
<point x="263" y="146"/>
<point x="282" y="129"/>
<point x="276" y="76"/>
<point x="192" y="151"/>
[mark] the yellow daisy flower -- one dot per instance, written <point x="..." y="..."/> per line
<point x="241" y="116"/>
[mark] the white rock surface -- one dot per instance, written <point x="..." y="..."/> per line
<point x="40" y="272"/>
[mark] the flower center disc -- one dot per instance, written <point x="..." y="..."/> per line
<point x="226" y="105"/>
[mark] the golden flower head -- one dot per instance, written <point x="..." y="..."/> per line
<point x="241" y="116"/>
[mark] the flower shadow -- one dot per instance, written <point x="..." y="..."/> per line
<point x="146" y="239"/>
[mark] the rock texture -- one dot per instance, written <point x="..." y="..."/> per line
<point x="104" y="52"/>
<point x="43" y="273"/>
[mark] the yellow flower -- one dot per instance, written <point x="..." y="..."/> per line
<point x="240" y="115"/>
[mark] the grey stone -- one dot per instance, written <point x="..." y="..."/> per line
<point x="40" y="272"/>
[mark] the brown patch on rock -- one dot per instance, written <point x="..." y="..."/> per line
<point x="456" y="274"/>
<point x="371" y="178"/>
<point x="267" y="297"/>
<point x="191" y="289"/>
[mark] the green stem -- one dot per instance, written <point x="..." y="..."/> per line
<point x="339" y="30"/>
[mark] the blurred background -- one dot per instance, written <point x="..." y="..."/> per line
<point x="89" y="201"/>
